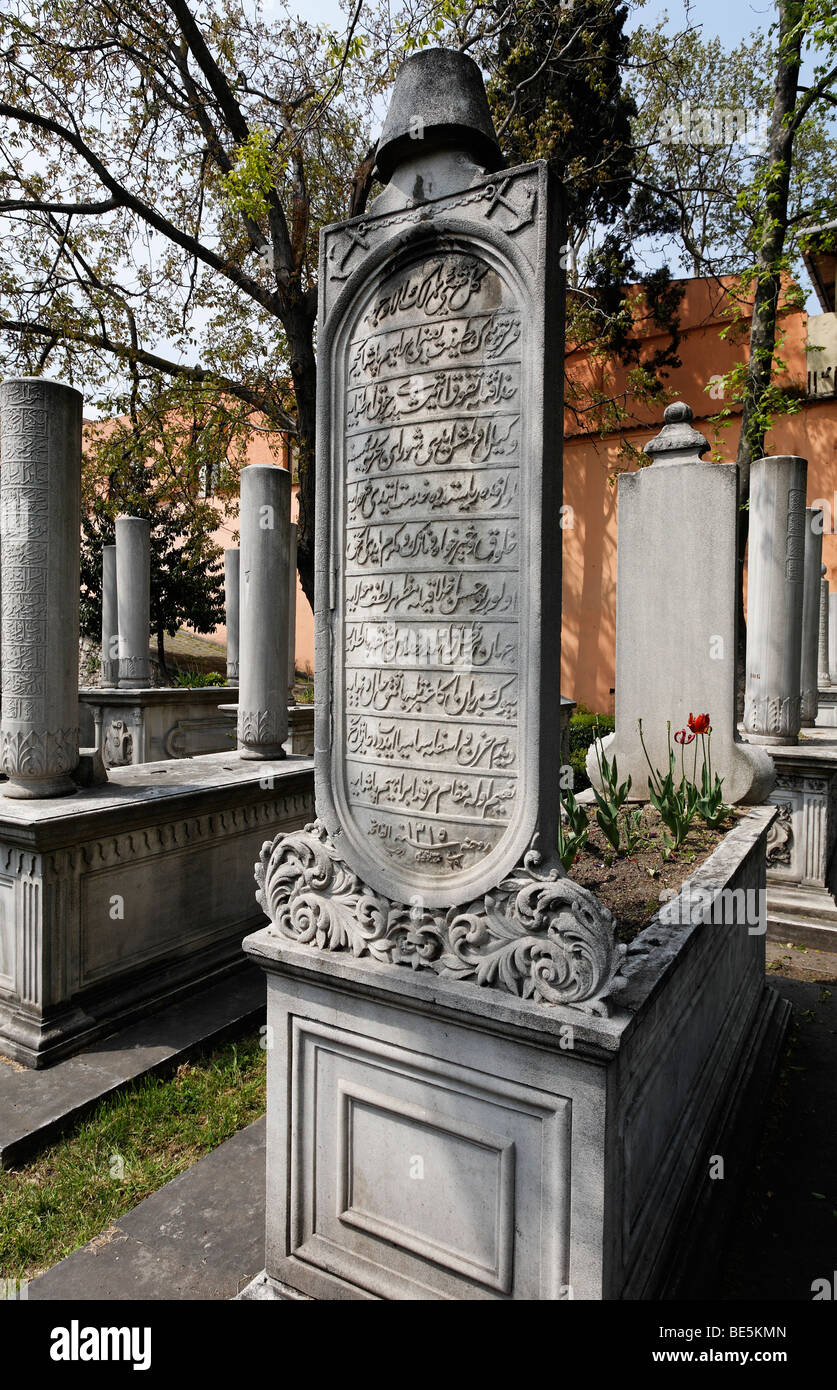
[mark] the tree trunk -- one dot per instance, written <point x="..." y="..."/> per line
<point x="768" y="289"/>
<point x="161" y="654"/>
<point x="299" y="327"/>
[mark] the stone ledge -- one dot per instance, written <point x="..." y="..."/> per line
<point x="148" y="792"/>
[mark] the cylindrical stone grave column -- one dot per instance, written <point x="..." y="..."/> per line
<point x="824" y="679"/>
<point x="110" y="618"/>
<point x="292" y="614"/>
<point x="232" y="581"/>
<point x="775" y="566"/>
<point x="265" y="521"/>
<point x="832" y="639"/>
<point x="811" y="616"/>
<point x="133" y="596"/>
<point x="40" y="522"/>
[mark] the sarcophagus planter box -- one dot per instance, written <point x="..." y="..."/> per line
<point x="437" y="755"/>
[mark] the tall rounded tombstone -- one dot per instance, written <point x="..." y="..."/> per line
<point x="40" y="488"/>
<point x="439" y="464"/>
<point x="263" y="611"/>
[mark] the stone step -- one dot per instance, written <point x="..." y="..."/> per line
<point x="37" y="1106"/>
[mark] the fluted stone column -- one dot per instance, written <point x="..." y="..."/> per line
<point x="40" y="487"/>
<point x="775" y="567"/>
<point x="133" y="593"/>
<point x="811" y="616"/>
<point x="110" y="618"/>
<point x="263" y="618"/>
<point x="292" y="614"/>
<point x="232" y="582"/>
<point x="824" y="679"/>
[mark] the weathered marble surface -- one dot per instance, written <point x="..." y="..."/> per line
<point x="110" y="618"/>
<point x="675" y="613"/>
<point x="232" y="583"/>
<point x="291" y="612"/>
<point x="439" y="574"/>
<point x="133" y="597"/>
<point x="40" y="485"/>
<point x="801" y="867"/>
<point x="811" y="587"/>
<point x="263" y="611"/>
<point x="822" y="658"/>
<point x="429" y="1139"/>
<point x="146" y="726"/>
<point x="775" y="568"/>
<point x="118" y="899"/>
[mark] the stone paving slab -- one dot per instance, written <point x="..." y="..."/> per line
<point x="200" y="1237"/>
<point x="36" y="1106"/>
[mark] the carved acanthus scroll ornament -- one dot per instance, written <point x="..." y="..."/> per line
<point x="539" y="935"/>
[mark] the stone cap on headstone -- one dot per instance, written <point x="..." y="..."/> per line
<point x="438" y="102"/>
<point x="677" y="441"/>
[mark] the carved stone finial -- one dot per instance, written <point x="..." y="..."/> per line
<point x="438" y="103"/>
<point x="677" y="441"/>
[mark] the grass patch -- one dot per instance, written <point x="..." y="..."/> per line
<point x="123" y="1151"/>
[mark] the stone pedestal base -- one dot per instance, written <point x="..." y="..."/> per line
<point x="827" y="708"/>
<point x="158" y="722"/>
<point x="120" y="898"/>
<point x="34" y="791"/>
<point x="432" y="1139"/>
<point x="801" y="877"/>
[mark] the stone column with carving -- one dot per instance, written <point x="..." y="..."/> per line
<point x="40" y="486"/>
<point x="822" y="649"/>
<point x="675" y="613"/>
<point x="809" y="666"/>
<point x="438" y="571"/>
<point x="775" y="566"/>
<point x="292" y="616"/>
<point x="263" y="616"/>
<point x="232" y="582"/>
<point x="110" y="618"/>
<point x="133" y="593"/>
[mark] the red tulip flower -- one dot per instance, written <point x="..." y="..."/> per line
<point x="683" y="736"/>
<point x="699" y="723"/>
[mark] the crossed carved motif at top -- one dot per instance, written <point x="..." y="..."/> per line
<point x="525" y="216"/>
<point x="538" y="935"/>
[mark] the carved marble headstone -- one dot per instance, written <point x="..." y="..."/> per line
<point x="775" y="567"/>
<point x="675" y="612"/>
<point x="263" y="611"/>
<point x="438" y="572"/>
<point x="811" y="615"/>
<point x="133" y="596"/>
<point x="110" y="618"/>
<point x="232" y="571"/>
<point x="40" y="484"/>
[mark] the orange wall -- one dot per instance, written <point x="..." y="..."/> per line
<point x="590" y="488"/>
